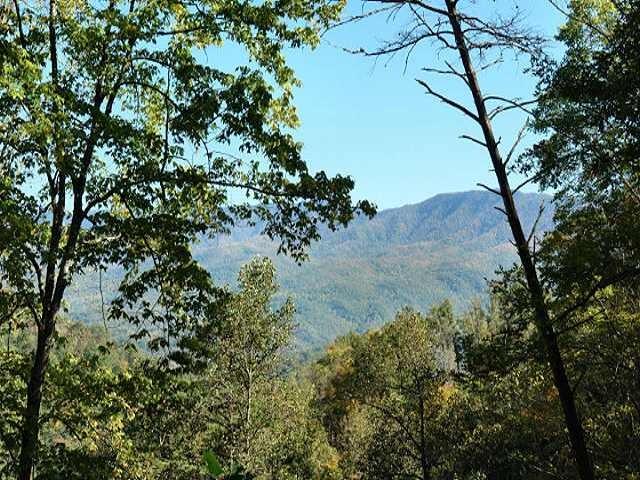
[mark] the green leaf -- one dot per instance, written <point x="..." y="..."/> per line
<point x="213" y="466"/>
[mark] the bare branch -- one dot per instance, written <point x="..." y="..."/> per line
<point x="517" y="141"/>
<point x="501" y="210"/>
<point x="102" y="304"/>
<point x="474" y="140"/>
<point x="535" y="223"/>
<point x="451" y="71"/>
<point x="448" y="101"/>
<point x="511" y="104"/>
<point x="426" y="6"/>
<point x="356" y="18"/>
<point x="525" y="183"/>
<point x="489" y="189"/>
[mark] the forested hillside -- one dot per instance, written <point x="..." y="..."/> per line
<point x="357" y="278"/>
<point x="151" y="168"/>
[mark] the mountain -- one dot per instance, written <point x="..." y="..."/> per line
<point x="357" y="278"/>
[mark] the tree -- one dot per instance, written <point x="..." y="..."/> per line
<point x="112" y="412"/>
<point x="515" y="426"/>
<point x="510" y="410"/>
<point x="588" y="118"/>
<point x="470" y="43"/>
<point x="588" y="115"/>
<point x="605" y="354"/>
<point x="294" y="445"/>
<point x="120" y="144"/>
<point x="242" y="351"/>
<point x="588" y="106"/>
<point x="396" y="389"/>
<point x="92" y="396"/>
<point x="256" y="412"/>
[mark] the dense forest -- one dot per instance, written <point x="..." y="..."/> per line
<point x="124" y="143"/>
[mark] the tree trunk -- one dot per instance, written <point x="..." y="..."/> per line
<point x="424" y="461"/>
<point x="31" y="426"/>
<point x="543" y="321"/>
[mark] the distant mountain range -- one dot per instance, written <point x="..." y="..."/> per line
<point x="357" y="278"/>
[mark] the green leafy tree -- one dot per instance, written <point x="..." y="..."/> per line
<point x="170" y="422"/>
<point x="514" y="428"/>
<point x="295" y="445"/>
<point x="509" y="411"/>
<point x="92" y="396"/>
<point x="588" y="114"/>
<point x="217" y="472"/>
<point x="242" y="351"/>
<point x="233" y="393"/>
<point x="605" y="342"/>
<point x="113" y="413"/>
<point x="396" y="390"/>
<point x="120" y="143"/>
<point x="588" y="117"/>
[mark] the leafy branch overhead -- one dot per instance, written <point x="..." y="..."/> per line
<point x="123" y="114"/>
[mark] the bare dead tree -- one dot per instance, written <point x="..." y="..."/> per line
<point x="468" y="43"/>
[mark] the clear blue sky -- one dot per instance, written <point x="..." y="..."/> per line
<point x="373" y="121"/>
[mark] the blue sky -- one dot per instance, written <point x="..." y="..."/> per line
<point x="373" y="121"/>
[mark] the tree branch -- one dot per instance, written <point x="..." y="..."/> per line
<point x="517" y="141"/>
<point x="604" y="283"/>
<point x="23" y="41"/>
<point x="512" y="104"/>
<point x="535" y="223"/>
<point x="492" y="190"/>
<point x="474" y="140"/>
<point x="448" y="101"/>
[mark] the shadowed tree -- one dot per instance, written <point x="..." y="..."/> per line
<point x="589" y="113"/>
<point x="123" y="139"/>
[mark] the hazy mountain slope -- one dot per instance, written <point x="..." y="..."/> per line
<point x="356" y="278"/>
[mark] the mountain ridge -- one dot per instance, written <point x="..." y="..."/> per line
<point x="356" y="278"/>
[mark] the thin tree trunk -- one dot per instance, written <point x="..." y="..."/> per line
<point x="543" y="321"/>
<point x="249" y="399"/>
<point x="31" y="427"/>
<point x="424" y="461"/>
<point x="53" y="290"/>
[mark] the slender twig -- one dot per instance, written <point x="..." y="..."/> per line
<point x="525" y="183"/>
<point x="474" y="140"/>
<point x="492" y="190"/>
<point x="535" y="223"/>
<point x="517" y="141"/>
<point x="448" y="101"/>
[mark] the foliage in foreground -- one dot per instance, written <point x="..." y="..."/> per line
<point x="121" y="145"/>
<point x="114" y="413"/>
<point x="429" y="396"/>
